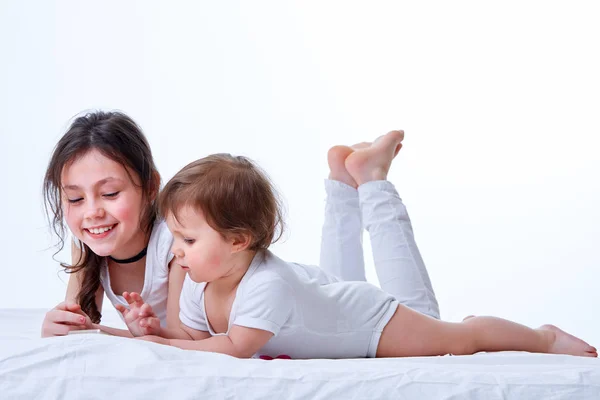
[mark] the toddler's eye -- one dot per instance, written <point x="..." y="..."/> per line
<point x="189" y="241"/>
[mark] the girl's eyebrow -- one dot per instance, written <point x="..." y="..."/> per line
<point x="99" y="183"/>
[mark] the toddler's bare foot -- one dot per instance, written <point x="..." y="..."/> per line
<point x="336" y="158"/>
<point x="563" y="343"/>
<point x="372" y="163"/>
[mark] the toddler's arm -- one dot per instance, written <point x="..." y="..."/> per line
<point x="241" y="342"/>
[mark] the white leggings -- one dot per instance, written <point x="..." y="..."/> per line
<point x="400" y="268"/>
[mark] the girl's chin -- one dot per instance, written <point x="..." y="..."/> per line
<point x="102" y="251"/>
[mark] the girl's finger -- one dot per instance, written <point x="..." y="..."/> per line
<point x="76" y="308"/>
<point x="72" y="306"/>
<point x="59" y="316"/>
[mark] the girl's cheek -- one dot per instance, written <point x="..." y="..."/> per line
<point x="66" y="210"/>
<point x="123" y="214"/>
<point x="71" y="220"/>
<point x="75" y="229"/>
<point x="124" y="211"/>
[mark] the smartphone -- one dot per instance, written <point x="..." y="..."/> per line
<point x="99" y="331"/>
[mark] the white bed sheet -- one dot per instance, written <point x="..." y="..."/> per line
<point x="98" y="366"/>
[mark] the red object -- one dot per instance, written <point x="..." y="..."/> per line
<point x="281" y="357"/>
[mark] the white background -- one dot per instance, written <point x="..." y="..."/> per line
<point x="500" y="103"/>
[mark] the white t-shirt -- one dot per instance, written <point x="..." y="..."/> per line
<point x="311" y="314"/>
<point x="156" y="279"/>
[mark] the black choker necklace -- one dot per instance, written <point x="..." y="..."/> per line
<point x="133" y="259"/>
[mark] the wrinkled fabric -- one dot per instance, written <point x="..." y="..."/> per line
<point x="98" y="366"/>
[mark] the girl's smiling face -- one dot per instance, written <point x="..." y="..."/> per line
<point x="102" y="205"/>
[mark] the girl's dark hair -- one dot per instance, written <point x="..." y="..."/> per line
<point x="120" y="139"/>
<point x="235" y="196"/>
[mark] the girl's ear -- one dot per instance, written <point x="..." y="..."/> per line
<point x="240" y="242"/>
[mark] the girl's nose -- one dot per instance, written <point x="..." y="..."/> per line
<point x="94" y="212"/>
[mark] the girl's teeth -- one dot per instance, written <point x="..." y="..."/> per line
<point x="100" y="230"/>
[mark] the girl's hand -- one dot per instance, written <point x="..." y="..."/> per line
<point x="140" y="317"/>
<point x="155" y="339"/>
<point x="63" y="318"/>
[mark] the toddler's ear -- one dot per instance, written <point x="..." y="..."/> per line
<point x="240" y="242"/>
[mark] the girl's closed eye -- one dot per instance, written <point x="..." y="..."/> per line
<point x="74" y="201"/>
<point x="188" y="241"/>
<point x="111" y="195"/>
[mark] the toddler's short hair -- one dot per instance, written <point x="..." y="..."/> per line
<point x="234" y="194"/>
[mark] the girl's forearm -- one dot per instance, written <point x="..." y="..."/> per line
<point x="168" y="333"/>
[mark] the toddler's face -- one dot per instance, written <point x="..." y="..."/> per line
<point x="199" y="249"/>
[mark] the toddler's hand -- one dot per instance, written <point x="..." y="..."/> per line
<point x="140" y="317"/>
